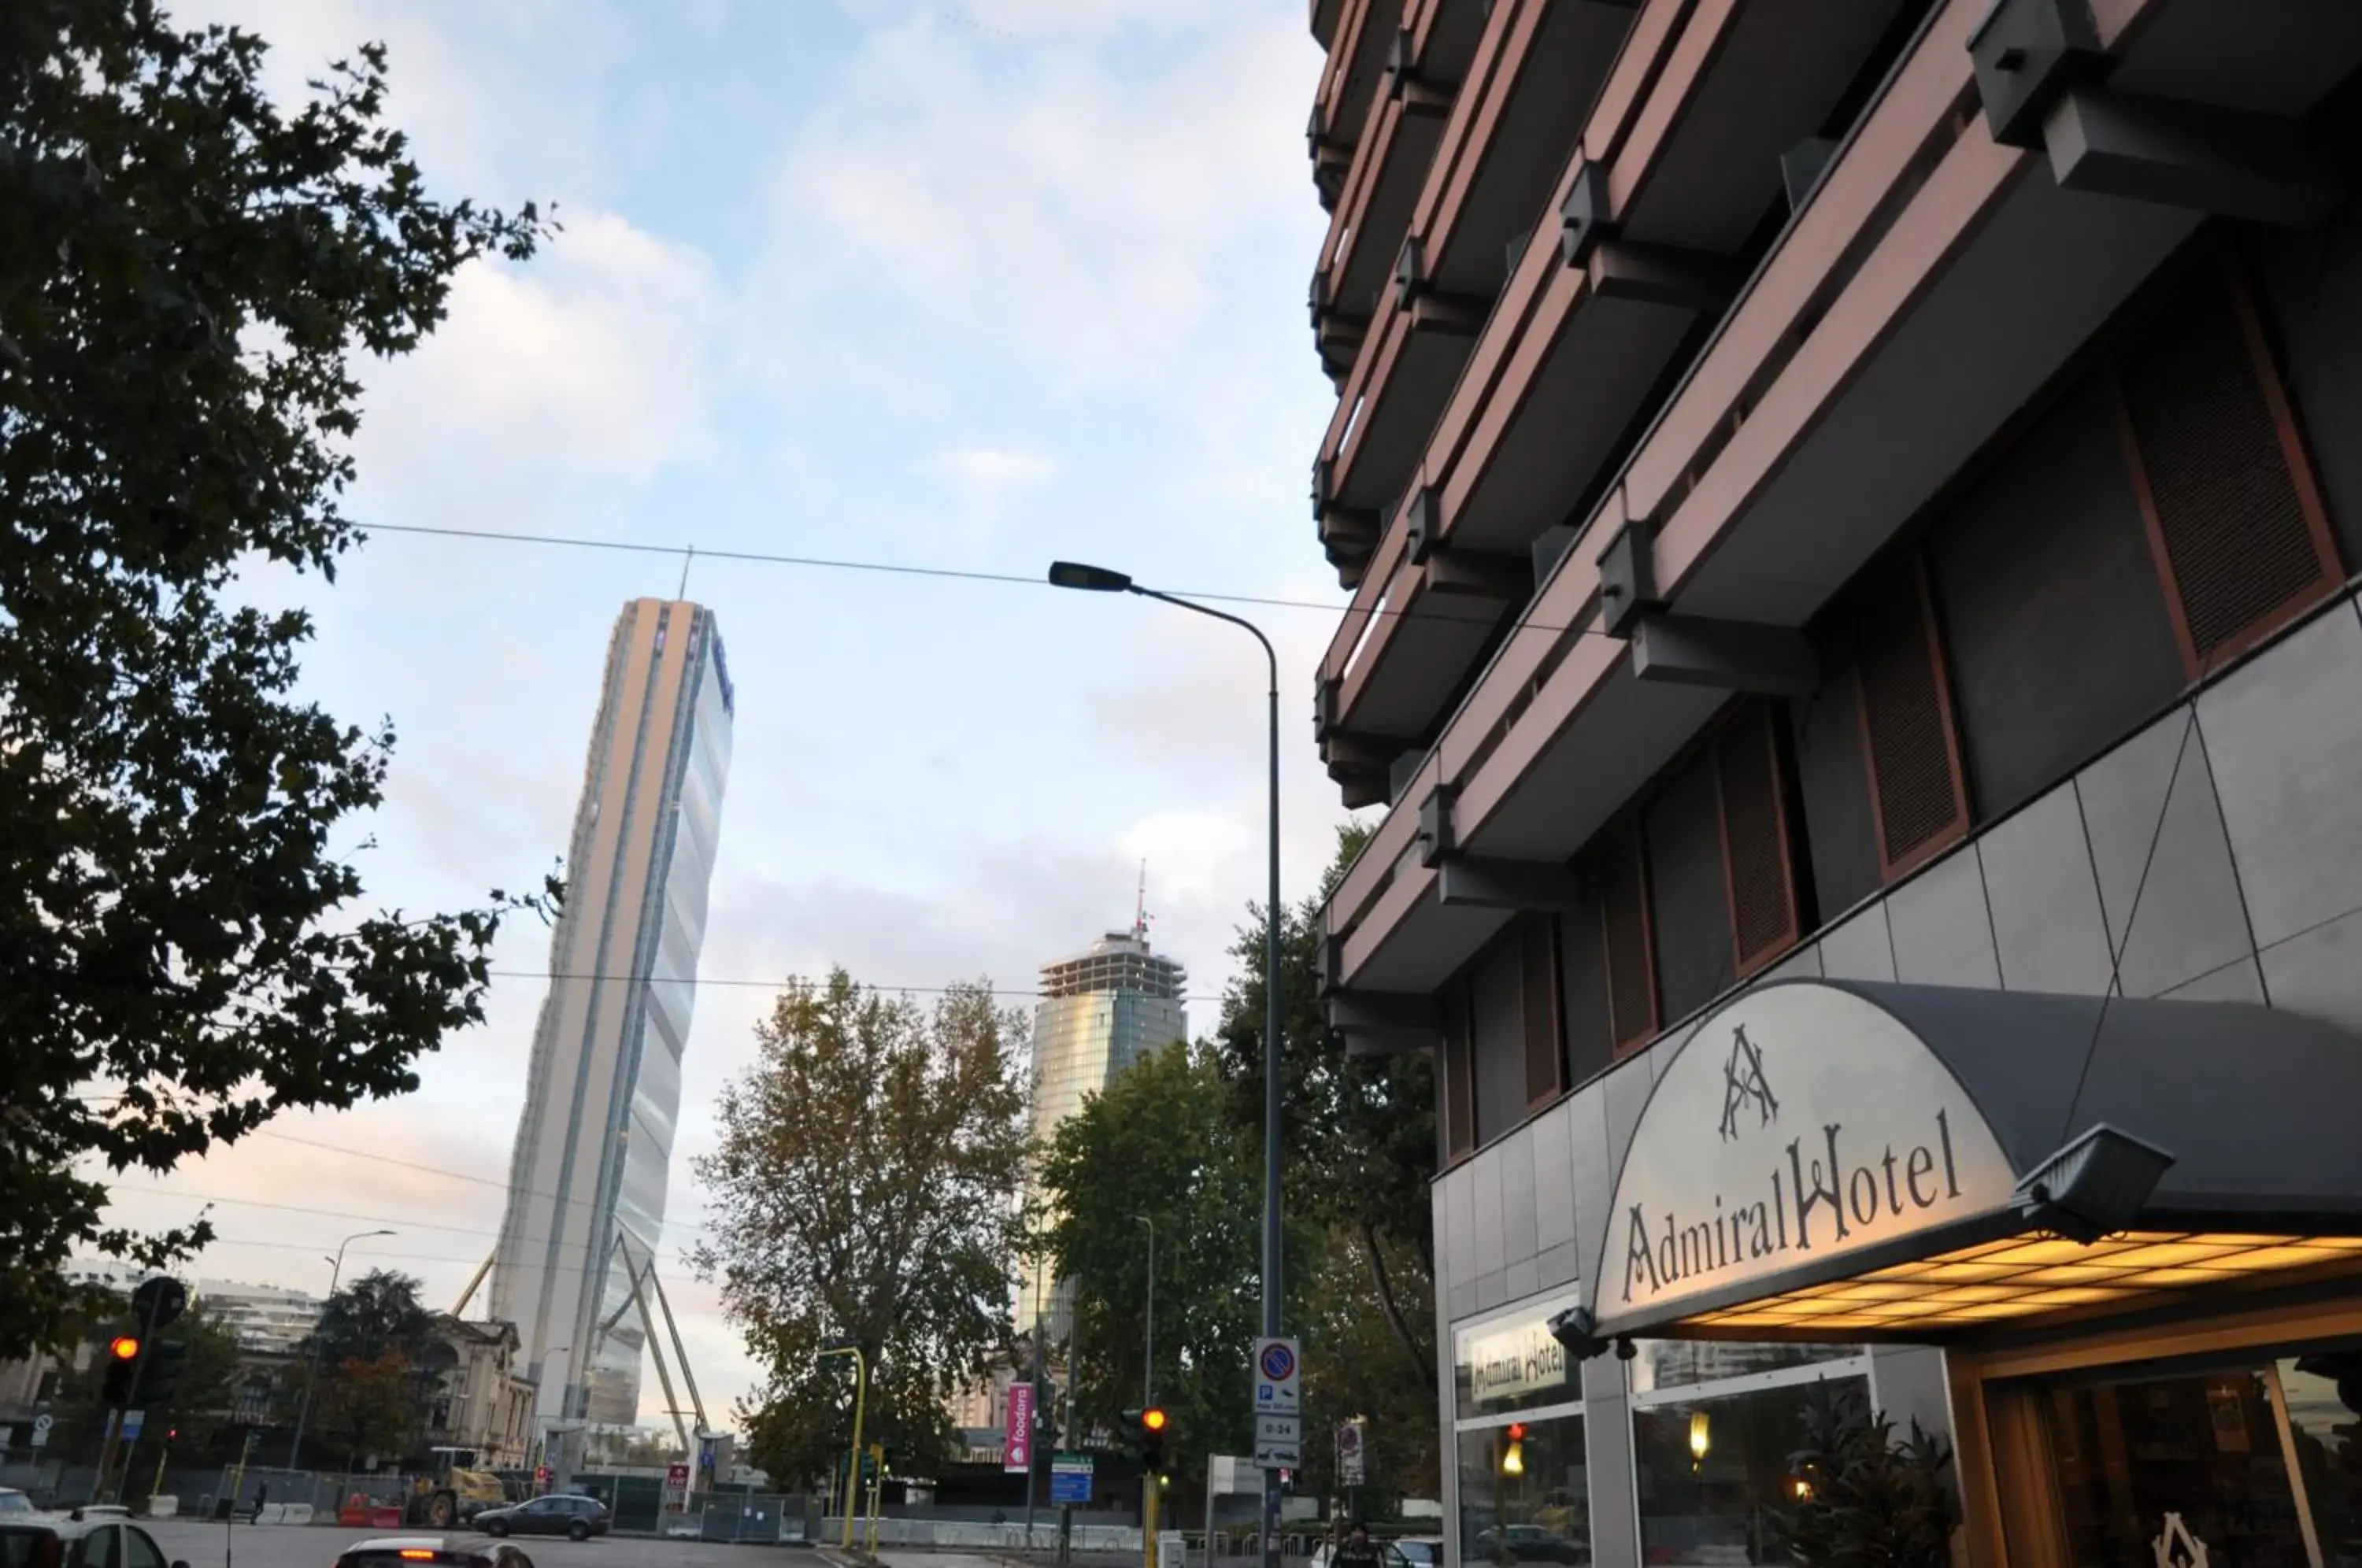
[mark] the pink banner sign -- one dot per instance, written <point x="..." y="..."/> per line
<point x="1017" y="1447"/>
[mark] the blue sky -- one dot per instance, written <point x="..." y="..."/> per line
<point x="972" y="286"/>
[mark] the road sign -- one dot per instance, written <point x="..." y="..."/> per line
<point x="131" y="1423"/>
<point x="158" y="1301"/>
<point x="1353" y="1464"/>
<point x="1279" y="1443"/>
<point x="1278" y="1378"/>
<point x="42" y="1425"/>
<point x="1070" y="1477"/>
<point x="1017" y="1441"/>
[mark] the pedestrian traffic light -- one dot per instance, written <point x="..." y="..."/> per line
<point x="158" y="1383"/>
<point x="122" y="1364"/>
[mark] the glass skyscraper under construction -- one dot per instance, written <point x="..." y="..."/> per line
<point x="594" y="1143"/>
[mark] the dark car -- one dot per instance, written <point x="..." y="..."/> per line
<point x="104" y="1541"/>
<point x="430" y="1551"/>
<point x="576" y="1518"/>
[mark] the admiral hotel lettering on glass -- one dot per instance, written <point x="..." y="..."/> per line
<point x="1516" y="1360"/>
<point x="1800" y="1123"/>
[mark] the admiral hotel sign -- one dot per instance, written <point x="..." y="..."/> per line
<point x="1799" y="1124"/>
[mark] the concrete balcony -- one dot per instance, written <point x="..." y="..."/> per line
<point x="2000" y="199"/>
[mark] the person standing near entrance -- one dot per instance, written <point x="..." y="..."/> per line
<point x="261" y="1493"/>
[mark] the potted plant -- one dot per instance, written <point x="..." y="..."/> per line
<point x="1860" y="1497"/>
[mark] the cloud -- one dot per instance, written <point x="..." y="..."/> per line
<point x="594" y="358"/>
<point x="1074" y="203"/>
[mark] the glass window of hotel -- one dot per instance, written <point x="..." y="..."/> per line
<point x="1714" y="1426"/>
<point x="1524" y="1493"/>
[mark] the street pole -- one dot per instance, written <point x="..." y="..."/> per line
<point x="304" y="1410"/>
<point x="860" y="1398"/>
<point x="1101" y="579"/>
<point x="1148" y="1367"/>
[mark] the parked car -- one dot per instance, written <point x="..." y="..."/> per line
<point x="13" y="1502"/>
<point x="104" y="1540"/>
<point x="430" y="1551"/>
<point x="1421" y="1550"/>
<point x="576" y="1518"/>
<point x="1389" y="1555"/>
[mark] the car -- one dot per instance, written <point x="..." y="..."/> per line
<point x="1421" y="1550"/>
<point x="102" y="1539"/>
<point x="15" y="1503"/>
<point x="574" y="1517"/>
<point x="1389" y="1555"/>
<point x="430" y="1551"/>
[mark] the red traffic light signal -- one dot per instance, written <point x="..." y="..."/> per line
<point x="123" y="1347"/>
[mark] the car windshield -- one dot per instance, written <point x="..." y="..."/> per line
<point x="15" y="1503"/>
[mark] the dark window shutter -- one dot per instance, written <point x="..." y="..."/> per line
<point x="1907" y="714"/>
<point x="1631" y="965"/>
<point x="2234" y="517"/>
<point x="1755" y="855"/>
<point x="1459" y="1076"/>
<point x="1538" y="961"/>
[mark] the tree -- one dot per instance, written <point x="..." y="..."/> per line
<point x="865" y="1187"/>
<point x="185" y="274"/>
<point x="208" y="1391"/>
<point x="1157" y="1144"/>
<point x="1359" y="1132"/>
<point x="369" y="1354"/>
<point x="1863" y="1496"/>
<point x="370" y="1405"/>
<point x="377" y="1313"/>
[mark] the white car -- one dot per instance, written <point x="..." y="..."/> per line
<point x="1421" y="1550"/>
<point x="430" y="1551"/>
<point x="15" y="1503"/>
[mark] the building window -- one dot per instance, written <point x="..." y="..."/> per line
<point x="1628" y="939"/>
<point x="1757" y="864"/>
<point x="1524" y="1491"/>
<point x="1711" y="1459"/>
<point x="1919" y="799"/>
<point x="2234" y="518"/>
<point x="1459" y="1080"/>
<point x="1545" y="1057"/>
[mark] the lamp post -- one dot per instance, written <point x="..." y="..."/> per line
<point x="1148" y="1367"/>
<point x="1100" y="579"/>
<point x="303" y="1411"/>
<point x="842" y="1347"/>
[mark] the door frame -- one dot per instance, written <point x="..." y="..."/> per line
<point x="2000" y="1451"/>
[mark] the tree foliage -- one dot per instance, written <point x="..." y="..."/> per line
<point x="371" y="1349"/>
<point x="1359" y="1132"/>
<point x="186" y="272"/>
<point x="209" y="1384"/>
<point x="1866" y="1499"/>
<point x="1157" y="1145"/>
<point x="1179" y="1137"/>
<point x="865" y="1187"/>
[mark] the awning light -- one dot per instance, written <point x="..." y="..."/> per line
<point x="2020" y="1277"/>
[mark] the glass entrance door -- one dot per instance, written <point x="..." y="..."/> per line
<point x="2207" y="1467"/>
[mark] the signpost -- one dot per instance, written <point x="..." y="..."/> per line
<point x="1070" y="1477"/>
<point x="676" y="1488"/>
<point x="1352" y="1464"/>
<point x="42" y="1425"/>
<point x="1278" y="1405"/>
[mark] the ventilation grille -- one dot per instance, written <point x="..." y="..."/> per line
<point x="1631" y="983"/>
<point x="1537" y="967"/>
<point x="2230" y="523"/>
<point x="1920" y="801"/>
<point x="1754" y="839"/>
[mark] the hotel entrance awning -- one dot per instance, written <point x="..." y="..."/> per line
<point x="1860" y="1162"/>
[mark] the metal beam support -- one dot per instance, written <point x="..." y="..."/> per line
<point x="664" y="1378"/>
<point x="1477" y="883"/>
<point x="680" y="1352"/>
<point x="1725" y="655"/>
<point x="2197" y="157"/>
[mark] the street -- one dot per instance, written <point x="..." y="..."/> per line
<point x="207" y="1545"/>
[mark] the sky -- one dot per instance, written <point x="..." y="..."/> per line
<point x="971" y="286"/>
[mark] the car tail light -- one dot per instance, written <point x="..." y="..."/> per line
<point x="418" y="1554"/>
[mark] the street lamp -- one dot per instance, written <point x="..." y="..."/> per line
<point x="1101" y="579"/>
<point x="1148" y="1369"/>
<point x="843" y="1345"/>
<point x="303" y="1411"/>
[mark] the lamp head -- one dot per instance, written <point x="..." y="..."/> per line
<point x="1095" y="579"/>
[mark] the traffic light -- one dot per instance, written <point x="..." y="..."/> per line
<point x="159" y="1380"/>
<point x="1153" y="1422"/>
<point x="122" y="1364"/>
<point x="1513" y="1458"/>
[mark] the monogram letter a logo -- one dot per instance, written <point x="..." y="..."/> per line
<point x="1743" y="1085"/>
